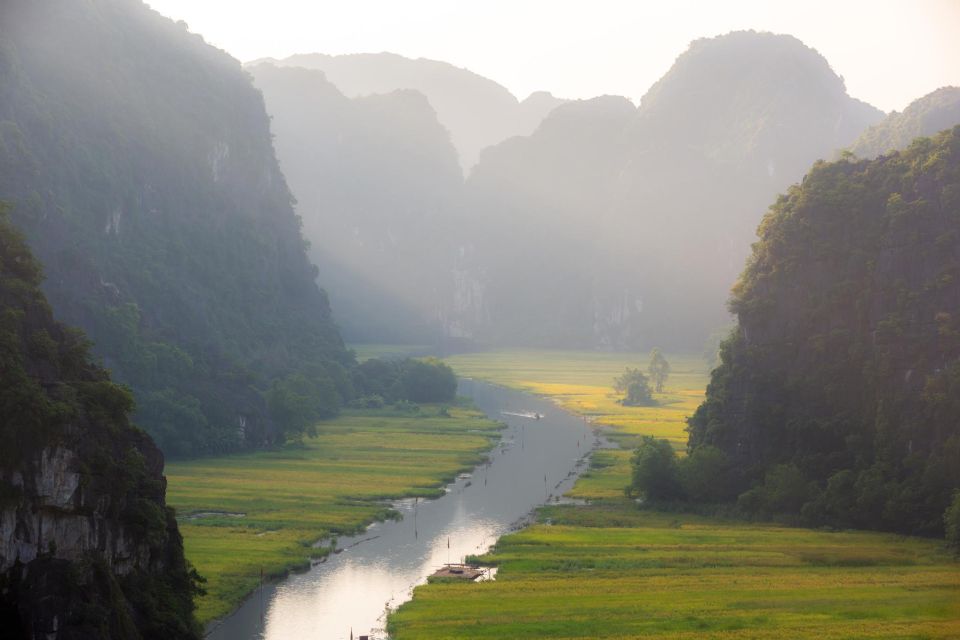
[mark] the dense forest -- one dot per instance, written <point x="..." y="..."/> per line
<point x="139" y="163"/>
<point x="837" y="394"/>
<point x="87" y="547"/>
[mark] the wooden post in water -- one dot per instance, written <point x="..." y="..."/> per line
<point x="261" y="594"/>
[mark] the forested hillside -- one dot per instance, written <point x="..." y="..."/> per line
<point x="87" y="547"/>
<point x="139" y="163"/>
<point x="925" y="116"/>
<point x="378" y="187"/>
<point x="476" y="111"/>
<point x="837" y="395"/>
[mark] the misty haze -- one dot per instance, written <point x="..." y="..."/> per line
<point x="433" y="320"/>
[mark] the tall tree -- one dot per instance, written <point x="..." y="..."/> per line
<point x="659" y="369"/>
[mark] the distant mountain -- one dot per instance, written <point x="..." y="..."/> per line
<point x="836" y="400"/>
<point x="925" y="116"/>
<point x="532" y="206"/>
<point x="736" y="120"/>
<point x="139" y="163"/>
<point x="88" y="548"/>
<point x="672" y="195"/>
<point x="377" y="186"/>
<point x="476" y="111"/>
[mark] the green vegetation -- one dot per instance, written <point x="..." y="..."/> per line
<point x="367" y="351"/>
<point x="836" y="400"/>
<point x="579" y="381"/>
<point x="377" y="381"/>
<point x="57" y="407"/>
<point x="924" y="116"/>
<point x="659" y="370"/>
<point x="244" y="512"/>
<point x="611" y="570"/>
<point x="140" y="165"/>
<point x="636" y="386"/>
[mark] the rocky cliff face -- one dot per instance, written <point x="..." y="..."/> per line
<point x="88" y="548"/>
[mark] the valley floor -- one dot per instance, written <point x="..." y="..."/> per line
<point x="611" y="570"/>
<point x="241" y="514"/>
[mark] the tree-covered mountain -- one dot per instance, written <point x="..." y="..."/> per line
<point x="378" y="188"/>
<point x="837" y="395"/>
<point x="924" y="116"/>
<point x="139" y="163"/>
<point x="658" y="204"/>
<point x="476" y="111"/>
<point x="88" y="548"/>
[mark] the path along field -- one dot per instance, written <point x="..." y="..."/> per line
<point x="241" y="513"/>
<point x="611" y="570"/>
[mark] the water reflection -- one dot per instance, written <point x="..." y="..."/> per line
<point x="378" y="569"/>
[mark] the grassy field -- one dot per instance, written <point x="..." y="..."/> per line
<point x="265" y="509"/>
<point x="581" y="381"/>
<point x="611" y="570"/>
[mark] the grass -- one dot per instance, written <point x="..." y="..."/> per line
<point x="581" y="382"/>
<point x="611" y="570"/>
<point x="291" y="497"/>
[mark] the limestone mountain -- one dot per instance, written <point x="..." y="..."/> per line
<point x="88" y="548"/>
<point x="532" y="204"/>
<point x="476" y="111"/>
<point x="925" y="116"/>
<point x="378" y="188"/>
<point x="836" y="397"/>
<point x="139" y="163"/>
<point x="686" y="177"/>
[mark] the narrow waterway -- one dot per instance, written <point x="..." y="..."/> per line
<point x="535" y="461"/>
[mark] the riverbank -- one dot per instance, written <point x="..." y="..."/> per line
<point x="611" y="570"/>
<point x="265" y="510"/>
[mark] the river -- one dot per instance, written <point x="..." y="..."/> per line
<point x="536" y="460"/>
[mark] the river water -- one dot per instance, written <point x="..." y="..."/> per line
<point x="535" y="461"/>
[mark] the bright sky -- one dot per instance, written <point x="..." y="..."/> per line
<point x="888" y="51"/>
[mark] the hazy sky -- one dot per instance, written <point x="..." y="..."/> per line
<point x="888" y="51"/>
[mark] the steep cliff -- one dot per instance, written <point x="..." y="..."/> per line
<point x="533" y="205"/>
<point x="378" y="188"/>
<point x="140" y="165"/>
<point x="87" y="547"/>
<point x="836" y="397"/>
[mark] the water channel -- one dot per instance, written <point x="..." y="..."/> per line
<point x="536" y="460"/>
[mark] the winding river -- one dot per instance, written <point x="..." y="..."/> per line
<point x="535" y="461"/>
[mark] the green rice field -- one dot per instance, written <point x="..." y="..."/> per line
<point x="609" y="569"/>
<point x="241" y="513"/>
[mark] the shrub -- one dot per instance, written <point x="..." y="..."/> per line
<point x="656" y="474"/>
